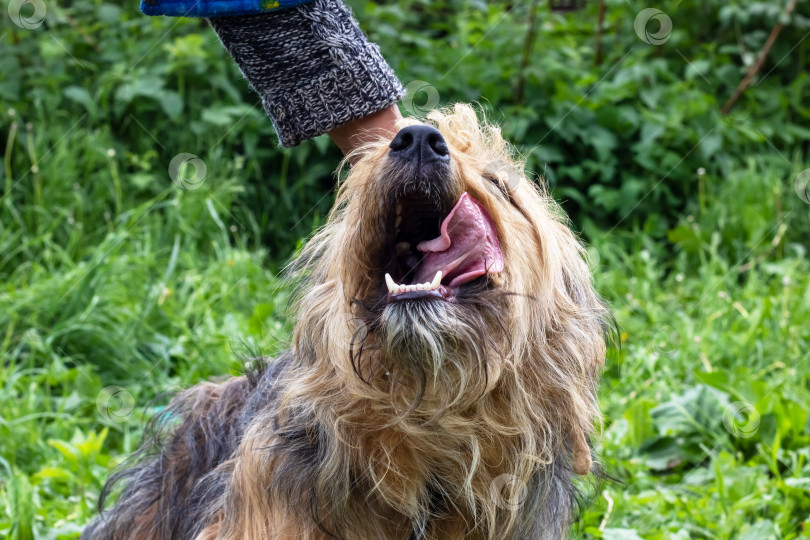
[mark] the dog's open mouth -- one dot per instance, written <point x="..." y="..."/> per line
<point x="436" y="254"/>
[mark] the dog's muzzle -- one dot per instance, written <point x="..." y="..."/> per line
<point x="443" y="237"/>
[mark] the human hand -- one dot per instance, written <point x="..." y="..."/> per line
<point x="353" y="134"/>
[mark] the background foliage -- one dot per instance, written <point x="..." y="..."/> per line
<point x="114" y="276"/>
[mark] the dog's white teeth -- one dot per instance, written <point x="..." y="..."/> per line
<point x="392" y="287"/>
<point x="395" y="288"/>
<point x="437" y="280"/>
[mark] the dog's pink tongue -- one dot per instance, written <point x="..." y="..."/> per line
<point x="467" y="247"/>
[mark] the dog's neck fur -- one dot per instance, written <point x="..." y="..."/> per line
<point x="404" y="478"/>
<point x="454" y="461"/>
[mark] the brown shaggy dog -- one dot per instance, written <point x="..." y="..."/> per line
<point x="441" y="380"/>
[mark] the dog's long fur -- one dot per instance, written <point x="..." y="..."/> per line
<point x="428" y="419"/>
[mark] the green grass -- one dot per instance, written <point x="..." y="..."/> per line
<point x="705" y="335"/>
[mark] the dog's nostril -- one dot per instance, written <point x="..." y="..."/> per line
<point x="437" y="144"/>
<point x="402" y="141"/>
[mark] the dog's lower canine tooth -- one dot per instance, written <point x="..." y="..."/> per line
<point x="390" y="283"/>
<point x="437" y="280"/>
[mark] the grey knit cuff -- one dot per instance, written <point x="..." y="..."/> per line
<point x="312" y="66"/>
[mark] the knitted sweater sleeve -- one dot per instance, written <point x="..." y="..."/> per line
<point x="311" y="65"/>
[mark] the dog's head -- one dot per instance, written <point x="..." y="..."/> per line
<point x="443" y="267"/>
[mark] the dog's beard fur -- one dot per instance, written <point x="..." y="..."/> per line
<point x="399" y="420"/>
<point x="438" y="352"/>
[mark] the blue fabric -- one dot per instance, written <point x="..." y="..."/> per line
<point x="214" y="8"/>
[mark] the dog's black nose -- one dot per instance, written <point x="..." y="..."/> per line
<point x="423" y="143"/>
